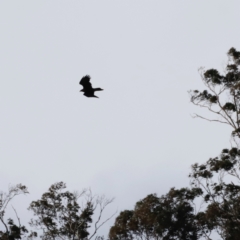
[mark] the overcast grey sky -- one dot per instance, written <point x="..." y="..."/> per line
<point x="138" y="137"/>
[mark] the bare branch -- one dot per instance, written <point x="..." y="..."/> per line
<point x="210" y="120"/>
<point x="5" y="225"/>
<point x="102" y="202"/>
<point x="17" y="216"/>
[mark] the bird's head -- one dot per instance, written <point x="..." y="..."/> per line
<point x="81" y="90"/>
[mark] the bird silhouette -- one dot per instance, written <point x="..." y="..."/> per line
<point x="87" y="87"/>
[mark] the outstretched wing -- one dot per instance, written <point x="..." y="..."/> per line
<point x="85" y="82"/>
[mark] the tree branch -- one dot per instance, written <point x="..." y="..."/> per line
<point x="17" y="216"/>
<point x="210" y="120"/>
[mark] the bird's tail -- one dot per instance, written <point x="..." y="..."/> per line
<point x="98" y="89"/>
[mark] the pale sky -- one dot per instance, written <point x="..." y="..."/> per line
<point x="139" y="137"/>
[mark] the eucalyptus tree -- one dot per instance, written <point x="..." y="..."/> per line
<point x="171" y="216"/>
<point x="219" y="180"/>
<point x="58" y="214"/>
<point x="222" y="96"/>
<point x="219" y="177"/>
<point x="10" y="229"/>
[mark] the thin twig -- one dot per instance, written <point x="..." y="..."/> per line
<point x="210" y="120"/>
<point x="17" y="216"/>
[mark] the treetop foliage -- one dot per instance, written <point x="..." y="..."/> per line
<point x="59" y="215"/>
<point x="222" y="96"/>
<point x="170" y="216"/>
<point x="13" y="230"/>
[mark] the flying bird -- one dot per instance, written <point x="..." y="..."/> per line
<point x="87" y="87"/>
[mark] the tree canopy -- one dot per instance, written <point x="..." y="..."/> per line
<point x="222" y="96"/>
<point x="59" y="215"/>
<point x="11" y="229"/>
<point x="212" y="201"/>
<point x="170" y="216"/>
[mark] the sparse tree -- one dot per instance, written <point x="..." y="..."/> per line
<point x="12" y="230"/>
<point x="219" y="177"/>
<point x="222" y="97"/>
<point x="59" y="215"/>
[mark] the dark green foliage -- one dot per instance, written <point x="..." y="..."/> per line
<point x="236" y="132"/>
<point x="233" y="76"/>
<point x="212" y="76"/>
<point x="14" y="231"/>
<point x="235" y="55"/>
<point x="57" y="213"/>
<point x="170" y="216"/>
<point x="222" y="96"/>
<point x="204" y="96"/>
<point x="221" y="196"/>
<point x="60" y="216"/>
<point x="9" y="229"/>
<point x="229" y="107"/>
<point x="219" y="177"/>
